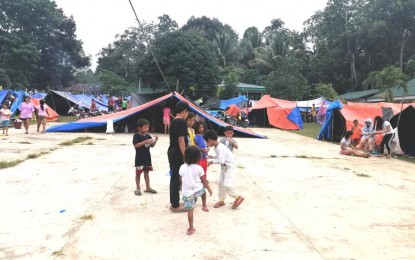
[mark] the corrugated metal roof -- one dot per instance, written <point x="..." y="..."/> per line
<point x="360" y="94"/>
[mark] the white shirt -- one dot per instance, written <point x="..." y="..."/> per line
<point x="385" y="124"/>
<point x="191" y="182"/>
<point x="344" y="144"/>
<point x="223" y="155"/>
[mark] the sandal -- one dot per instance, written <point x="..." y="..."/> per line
<point x="151" y="191"/>
<point x="219" y="204"/>
<point x="137" y="192"/>
<point x="178" y="210"/>
<point x="238" y="202"/>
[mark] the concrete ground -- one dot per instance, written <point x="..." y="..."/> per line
<point x="303" y="201"/>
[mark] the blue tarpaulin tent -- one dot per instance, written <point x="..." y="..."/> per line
<point x="326" y="128"/>
<point x="152" y="111"/>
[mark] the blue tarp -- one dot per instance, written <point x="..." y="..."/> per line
<point x="38" y="95"/>
<point x="3" y="95"/>
<point x="233" y="101"/>
<point x="85" y="101"/>
<point x="325" y="131"/>
<point x="295" y="117"/>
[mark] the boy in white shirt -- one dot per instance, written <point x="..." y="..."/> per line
<point x="225" y="158"/>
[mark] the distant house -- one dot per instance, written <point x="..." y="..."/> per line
<point x="398" y="94"/>
<point x="252" y="92"/>
<point x="360" y="96"/>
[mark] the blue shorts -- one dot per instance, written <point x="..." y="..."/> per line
<point x="189" y="202"/>
<point x="5" y="122"/>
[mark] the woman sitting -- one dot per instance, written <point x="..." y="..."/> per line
<point x="347" y="149"/>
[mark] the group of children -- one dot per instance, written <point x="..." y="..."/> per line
<point x="26" y="112"/>
<point x="367" y="137"/>
<point x="196" y="160"/>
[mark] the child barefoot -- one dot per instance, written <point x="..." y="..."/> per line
<point x="225" y="158"/>
<point x="142" y="143"/>
<point x="193" y="185"/>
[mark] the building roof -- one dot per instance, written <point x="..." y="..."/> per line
<point x="398" y="92"/>
<point x="251" y="87"/>
<point x="359" y="94"/>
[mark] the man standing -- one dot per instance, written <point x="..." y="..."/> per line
<point x="178" y="143"/>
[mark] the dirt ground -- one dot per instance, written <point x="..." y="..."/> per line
<point x="303" y="201"/>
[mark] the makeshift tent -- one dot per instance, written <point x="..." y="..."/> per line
<point x="52" y="115"/>
<point x="321" y="113"/>
<point x="280" y="113"/>
<point x="152" y="111"/>
<point x="3" y="95"/>
<point x="233" y="110"/>
<point x="307" y="104"/>
<point x="405" y="123"/>
<point x="140" y="99"/>
<point x="212" y="103"/>
<point x="240" y="101"/>
<point x="38" y="95"/>
<point x="339" y="118"/>
<point x="86" y="101"/>
<point x="61" y="101"/>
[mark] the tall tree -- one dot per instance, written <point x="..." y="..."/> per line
<point x="187" y="60"/>
<point x="386" y="79"/>
<point x="38" y="43"/>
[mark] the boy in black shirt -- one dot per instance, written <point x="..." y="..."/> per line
<point x="142" y="143"/>
<point x="178" y="143"/>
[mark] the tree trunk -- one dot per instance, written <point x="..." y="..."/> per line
<point x="353" y="70"/>
<point x="177" y="85"/>
<point x="404" y="32"/>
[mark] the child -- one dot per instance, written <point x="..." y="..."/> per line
<point x="41" y="112"/>
<point x="190" y="120"/>
<point x="228" y="141"/>
<point x="347" y="149"/>
<point x="199" y="128"/>
<point x="384" y="127"/>
<point x="367" y="136"/>
<point x="356" y="132"/>
<point x="225" y="158"/>
<point x="5" y="116"/>
<point x="142" y="143"/>
<point x="193" y="185"/>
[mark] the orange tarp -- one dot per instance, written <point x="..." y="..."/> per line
<point x="53" y="116"/>
<point x="277" y="111"/>
<point x="360" y="113"/>
<point x="233" y="110"/>
<point x="396" y="107"/>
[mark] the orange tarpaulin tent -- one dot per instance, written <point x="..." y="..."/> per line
<point x="53" y="116"/>
<point x="279" y="113"/>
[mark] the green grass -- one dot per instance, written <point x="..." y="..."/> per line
<point x="310" y="130"/>
<point x="8" y="164"/>
<point x="76" y="140"/>
<point x="87" y="217"/>
<point x="58" y="253"/>
<point x="66" y="119"/>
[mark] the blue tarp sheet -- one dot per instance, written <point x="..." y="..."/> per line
<point x="295" y="117"/>
<point x="233" y="101"/>
<point x="3" y="95"/>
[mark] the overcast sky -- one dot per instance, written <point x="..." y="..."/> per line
<point x="98" y="21"/>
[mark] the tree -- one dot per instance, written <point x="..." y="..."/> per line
<point x="251" y="40"/>
<point x="4" y="79"/>
<point x="38" y="44"/>
<point x="230" y="81"/>
<point x="327" y="91"/>
<point x="186" y="59"/>
<point x="204" y="26"/>
<point x="165" y="25"/>
<point x="112" y="83"/>
<point x="386" y="79"/>
<point x="226" y="43"/>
